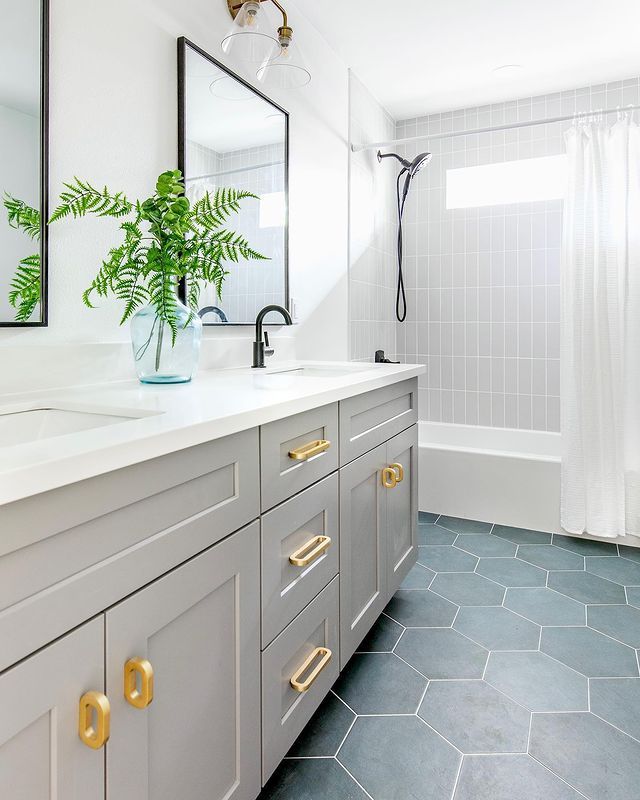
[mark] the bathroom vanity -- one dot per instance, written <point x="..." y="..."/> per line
<point x="178" y="592"/>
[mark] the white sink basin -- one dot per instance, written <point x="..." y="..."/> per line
<point x="318" y="371"/>
<point x="19" y="425"/>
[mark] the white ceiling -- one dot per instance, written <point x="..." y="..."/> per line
<point x="420" y="56"/>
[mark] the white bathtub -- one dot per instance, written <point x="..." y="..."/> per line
<point x="498" y="475"/>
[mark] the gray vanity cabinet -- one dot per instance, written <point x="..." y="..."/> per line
<point x="378" y="530"/>
<point x="402" y="509"/>
<point x="363" y="569"/>
<point x="206" y="602"/>
<point x="41" y="754"/>
<point x="195" y="634"/>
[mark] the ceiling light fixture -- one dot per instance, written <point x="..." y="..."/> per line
<point x="282" y="68"/>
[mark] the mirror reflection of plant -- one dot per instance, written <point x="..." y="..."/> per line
<point x="26" y="285"/>
<point x="166" y="239"/>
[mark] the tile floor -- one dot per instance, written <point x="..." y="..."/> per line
<point x="505" y="668"/>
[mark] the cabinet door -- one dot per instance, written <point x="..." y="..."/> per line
<point x="41" y="754"/>
<point x="198" y="630"/>
<point x="402" y="508"/>
<point x="363" y="552"/>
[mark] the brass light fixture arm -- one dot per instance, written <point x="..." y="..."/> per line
<point x="234" y="7"/>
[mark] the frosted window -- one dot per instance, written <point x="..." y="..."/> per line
<point x="524" y="181"/>
<point x="272" y="210"/>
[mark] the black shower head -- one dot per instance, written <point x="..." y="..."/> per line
<point x="412" y="167"/>
<point x="418" y="163"/>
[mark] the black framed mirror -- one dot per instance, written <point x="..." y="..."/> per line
<point x="232" y="136"/>
<point x="24" y="137"/>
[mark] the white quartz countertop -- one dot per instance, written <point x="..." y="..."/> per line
<point x="213" y="405"/>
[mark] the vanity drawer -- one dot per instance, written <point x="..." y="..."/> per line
<point x="70" y="553"/>
<point x="296" y="452"/>
<point x="370" y="419"/>
<point x="300" y="549"/>
<point x="298" y="653"/>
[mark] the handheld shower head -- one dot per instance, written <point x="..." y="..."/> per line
<point x="412" y="167"/>
<point x="419" y="162"/>
<point x="409" y="169"/>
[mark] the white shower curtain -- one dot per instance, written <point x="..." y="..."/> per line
<point x="601" y="331"/>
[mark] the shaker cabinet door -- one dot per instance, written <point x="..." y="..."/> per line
<point x="183" y="667"/>
<point x="363" y="551"/>
<point x="402" y="508"/>
<point x="41" y="753"/>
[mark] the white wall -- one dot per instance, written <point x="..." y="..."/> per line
<point x="114" y="121"/>
<point x="19" y="176"/>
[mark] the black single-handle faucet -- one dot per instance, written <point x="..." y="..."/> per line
<point x="258" y="345"/>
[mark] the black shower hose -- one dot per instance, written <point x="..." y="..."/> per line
<point x="401" y="294"/>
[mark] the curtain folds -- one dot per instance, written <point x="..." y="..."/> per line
<point x="601" y="331"/>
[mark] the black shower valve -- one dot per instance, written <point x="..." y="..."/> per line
<point x="382" y="359"/>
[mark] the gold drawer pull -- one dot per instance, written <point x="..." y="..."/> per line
<point x="400" y="470"/>
<point x="389" y="478"/>
<point x="94" y="733"/>
<point x="309" y="450"/>
<point x="313" y="549"/>
<point x="303" y="686"/>
<point x="138" y="698"/>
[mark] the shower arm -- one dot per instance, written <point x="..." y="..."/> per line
<point x="285" y="31"/>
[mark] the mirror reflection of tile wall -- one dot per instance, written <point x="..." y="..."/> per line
<point x="251" y="284"/>
<point x="236" y="139"/>
<point x="20" y="122"/>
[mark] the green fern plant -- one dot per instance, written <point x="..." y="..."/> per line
<point x="165" y="239"/>
<point x="26" y="285"/>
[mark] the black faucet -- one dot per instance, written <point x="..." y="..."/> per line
<point x="258" y="345"/>
<point x="213" y="310"/>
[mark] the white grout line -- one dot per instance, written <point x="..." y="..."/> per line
<point x="455" y="784"/>
<point x="559" y="777"/>
<point x="344" y="738"/>
<point x="353" y="779"/>
<point x="342" y="701"/>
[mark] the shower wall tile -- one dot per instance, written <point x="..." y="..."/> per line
<point x="483" y="283"/>
<point x="372" y="243"/>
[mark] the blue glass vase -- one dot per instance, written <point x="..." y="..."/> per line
<point x="157" y="358"/>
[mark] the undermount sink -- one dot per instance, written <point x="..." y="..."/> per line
<point x="20" y="425"/>
<point x="318" y="371"/>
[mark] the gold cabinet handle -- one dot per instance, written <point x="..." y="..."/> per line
<point x="400" y="470"/>
<point x="389" y="478"/>
<point x="309" y="450"/>
<point x="94" y="719"/>
<point x="313" y="549"/>
<point x="303" y="686"/>
<point x="142" y="697"/>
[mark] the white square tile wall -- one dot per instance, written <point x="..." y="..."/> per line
<point x="484" y="283"/>
<point x="250" y="285"/>
<point x="372" y="248"/>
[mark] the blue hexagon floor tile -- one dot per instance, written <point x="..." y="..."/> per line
<point x="512" y="572"/>
<point x="498" y="628"/>
<point x="617" y="700"/>
<point x="396" y="758"/>
<point x="589" y="754"/>
<point x="475" y="717"/>
<point x="510" y="778"/>
<point x="590" y="652"/>
<point x="468" y="589"/>
<point x="441" y="653"/>
<point x="538" y="682"/>
<point x="587" y="587"/>
<point x="501" y="641"/>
